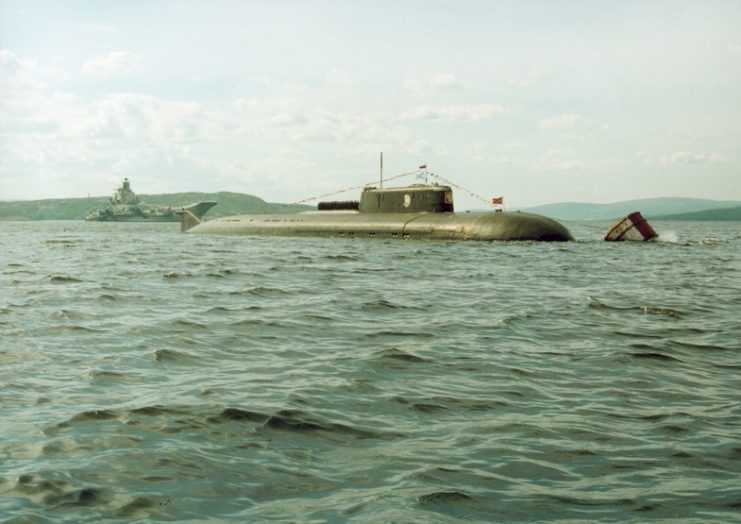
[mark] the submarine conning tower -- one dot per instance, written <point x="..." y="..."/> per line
<point x="418" y="198"/>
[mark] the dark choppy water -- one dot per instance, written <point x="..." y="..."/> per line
<point x="149" y="375"/>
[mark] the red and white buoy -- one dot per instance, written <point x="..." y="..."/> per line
<point x="631" y="227"/>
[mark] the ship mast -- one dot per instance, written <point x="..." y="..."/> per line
<point x="381" y="182"/>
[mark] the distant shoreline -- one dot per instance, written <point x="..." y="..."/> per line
<point x="78" y="208"/>
<point x="668" y="208"/>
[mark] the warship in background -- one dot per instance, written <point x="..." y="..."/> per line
<point x="125" y="206"/>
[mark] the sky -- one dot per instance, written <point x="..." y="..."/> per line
<point x="536" y="101"/>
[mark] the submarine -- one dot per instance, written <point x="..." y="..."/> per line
<point x="414" y="212"/>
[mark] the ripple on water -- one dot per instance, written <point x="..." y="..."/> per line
<point x="175" y="357"/>
<point x="660" y="357"/>
<point x="595" y="303"/>
<point x="269" y="379"/>
<point x="57" y="493"/>
<point x="394" y="354"/>
<point x="64" y="279"/>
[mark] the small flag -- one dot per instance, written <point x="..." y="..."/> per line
<point x="497" y="201"/>
<point x="423" y="166"/>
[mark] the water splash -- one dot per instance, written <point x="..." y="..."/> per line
<point x="670" y="237"/>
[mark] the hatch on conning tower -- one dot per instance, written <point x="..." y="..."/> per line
<point x="411" y="199"/>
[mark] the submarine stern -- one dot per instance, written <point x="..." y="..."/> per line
<point x="192" y="215"/>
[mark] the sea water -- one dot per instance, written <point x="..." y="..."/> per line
<point x="148" y="375"/>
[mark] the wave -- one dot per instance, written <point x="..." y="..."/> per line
<point x="57" y="493"/>
<point x="63" y="279"/>
<point x="401" y="334"/>
<point x="654" y="356"/>
<point x="396" y="354"/>
<point x="173" y="356"/>
<point x="296" y="421"/>
<point x="595" y="303"/>
<point x="189" y="324"/>
<point x="381" y="305"/>
<point x="61" y="242"/>
<point x="443" y="497"/>
<point x="174" y="275"/>
<point x="260" y="291"/>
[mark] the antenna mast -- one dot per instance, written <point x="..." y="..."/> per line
<point x="381" y="182"/>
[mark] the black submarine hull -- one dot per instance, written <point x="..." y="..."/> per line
<point x="480" y="226"/>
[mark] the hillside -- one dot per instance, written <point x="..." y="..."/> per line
<point x="649" y="208"/>
<point x="726" y="214"/>
<point x="77" y="208"/>
<point x="241" y="203"/>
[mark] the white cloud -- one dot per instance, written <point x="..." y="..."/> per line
<point x="440" y="82"/>
<point x="498" y="154"/>
<point x="16" y="75"/>
<point x="560" y="122"/>
<point x="311" y="118"/>
<point x="514" y="146"/>
<point x="685" y="157"/>
<point x="115" y="64"/>
<point x="570" y="121"/>
<point x="337" y="79"/>
<point x="26" y="104"/>
<point x="570" y="126"/>
<point x="138" y="118"/>
<point x="528" y="78"/>
<point x="273" y="85"/>
<point x="560" y="160"/>
<point x="49" y="136"/>
<point x="454" y="113"/>
<point x="449" y="83"/>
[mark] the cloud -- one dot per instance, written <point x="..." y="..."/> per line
<point x="284" y="87"/>
<point x="560" y="122"/>
<point x="685" y="157"/>
<point x="440" y="82"/>
<point x="26" y="104"/>
<point x="337" y="79"/>
<point x="528" y="78"/>
<point x="16" y="75"/>
<point x="570" y="121"/>
<point x="570" y="126"/>
<point x="47" y="133"/>
<point x="445" y="82"/>
<point x="312" y="121"/>
<point x="558" y="160"/>
<point x="115" y="64"/>
<point x="455" y="113"/>
<point x="138" y="119"/>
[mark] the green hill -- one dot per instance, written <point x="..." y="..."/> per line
<point x="77" y="208"/>
<point x="649" y="208"/>
<point x="725" y="214"/>
<point x="241" y="203"/>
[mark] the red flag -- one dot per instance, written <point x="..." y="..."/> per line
<point x="497" y="201"/>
